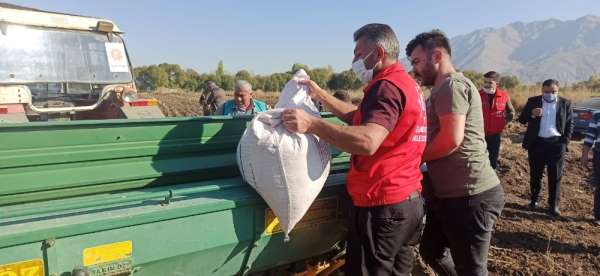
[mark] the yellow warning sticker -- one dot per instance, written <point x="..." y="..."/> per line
<point x="322" y="210"/>
<point x="25" y="268"/>
<point x="107" y="253"/>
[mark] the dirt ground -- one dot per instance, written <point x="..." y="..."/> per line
<point x="176" y="103"/>
<point x="525" y="242"/>
<point x="530" y="242"/>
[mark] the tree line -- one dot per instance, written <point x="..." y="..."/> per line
<point x="149" y="78"/>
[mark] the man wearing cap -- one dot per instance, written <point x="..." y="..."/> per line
<point x="212" y="98"/>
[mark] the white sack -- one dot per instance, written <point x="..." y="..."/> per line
<point x="287" y="169"/>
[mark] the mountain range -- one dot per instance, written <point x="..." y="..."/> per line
<point x="565" y="50"/>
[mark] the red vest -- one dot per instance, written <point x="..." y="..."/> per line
<point x="392" y="174"/>
<point x="494" y="113"/>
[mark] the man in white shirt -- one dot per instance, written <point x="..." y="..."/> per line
<point x="549" y="120"/>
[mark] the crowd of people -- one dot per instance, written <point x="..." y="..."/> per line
<point x="456" y="132"/>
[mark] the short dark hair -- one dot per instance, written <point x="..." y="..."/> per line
<point x="550" y="82"/>
<point x="492" y="75"/>
<point x="429" y="41"/>
<point x="382" y="35"/>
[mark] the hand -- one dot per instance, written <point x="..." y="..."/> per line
<point x="297" y="120"/>
<point x="314" y="91"/>
<point x="537" y="112"/>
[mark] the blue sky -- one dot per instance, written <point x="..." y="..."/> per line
<point x="269" y="36"/>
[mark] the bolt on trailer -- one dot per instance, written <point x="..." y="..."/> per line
<point x="58" y="66"/>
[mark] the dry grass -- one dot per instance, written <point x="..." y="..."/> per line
<point x="519" y="97"/>
<point x="175" y="102"/>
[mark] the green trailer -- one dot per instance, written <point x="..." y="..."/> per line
<point x="148" y="197"/>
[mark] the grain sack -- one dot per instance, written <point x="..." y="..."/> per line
<point x="287" y="169"/>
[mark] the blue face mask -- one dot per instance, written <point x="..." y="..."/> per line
<point x="549" y="97"/>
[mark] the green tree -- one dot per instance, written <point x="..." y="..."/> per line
<point x="475" y="77"/>
<point x="192" y="80"/>
<point x="227" y="82"/>
<point x="141" y="77"/>
<point x="268" y="84"/>
<point x="509" y="82"/>
<point x="321" y="75"/>
<point x="259" y="83"/>
<point x="275" y="82"/>
<point x="220" y="69"/>
<point x="217" y="78"/>
<point x="149" y="78"/>
<point x="346" y="80"/>
<point x="298" y="66"/>
<point x="175" y="75"/>
<point x="245" y="75"/>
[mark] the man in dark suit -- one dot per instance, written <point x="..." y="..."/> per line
<point x="549" y="120"/>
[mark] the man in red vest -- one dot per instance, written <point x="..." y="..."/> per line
<point x="497" y="112"/>
<point x="386" y="136"/>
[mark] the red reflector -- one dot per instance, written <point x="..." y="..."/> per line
<point x="145" y="102"/>
<point x="585" y="115"/>
<point x="138" y="103"/>
<point x="11" y="108"/>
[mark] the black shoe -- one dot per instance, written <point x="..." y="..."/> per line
<point x="554" y="212"/>
<point x="533" y="204"/>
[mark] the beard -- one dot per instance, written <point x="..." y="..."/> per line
<point x="428" y="75"/>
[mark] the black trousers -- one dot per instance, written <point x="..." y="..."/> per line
<point x="458" y="232"/>
<point x="548" y="153"/>
<point x="597" y="185"/>
<point x="381" y="238"/>
<point x="493" y="147"/>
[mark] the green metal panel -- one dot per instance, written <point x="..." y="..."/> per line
<point x="216" y="243"/>
<point x="221" y="231"/>
<point x="171" y="186"/>
<point x="219" y="238"/>
<point x="52" y="160"/>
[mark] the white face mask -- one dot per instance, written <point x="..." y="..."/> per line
<point x="489" y="90"/>
<point x="362" y="73"/>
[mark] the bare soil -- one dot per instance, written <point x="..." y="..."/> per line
<point x="530" y="242"/>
